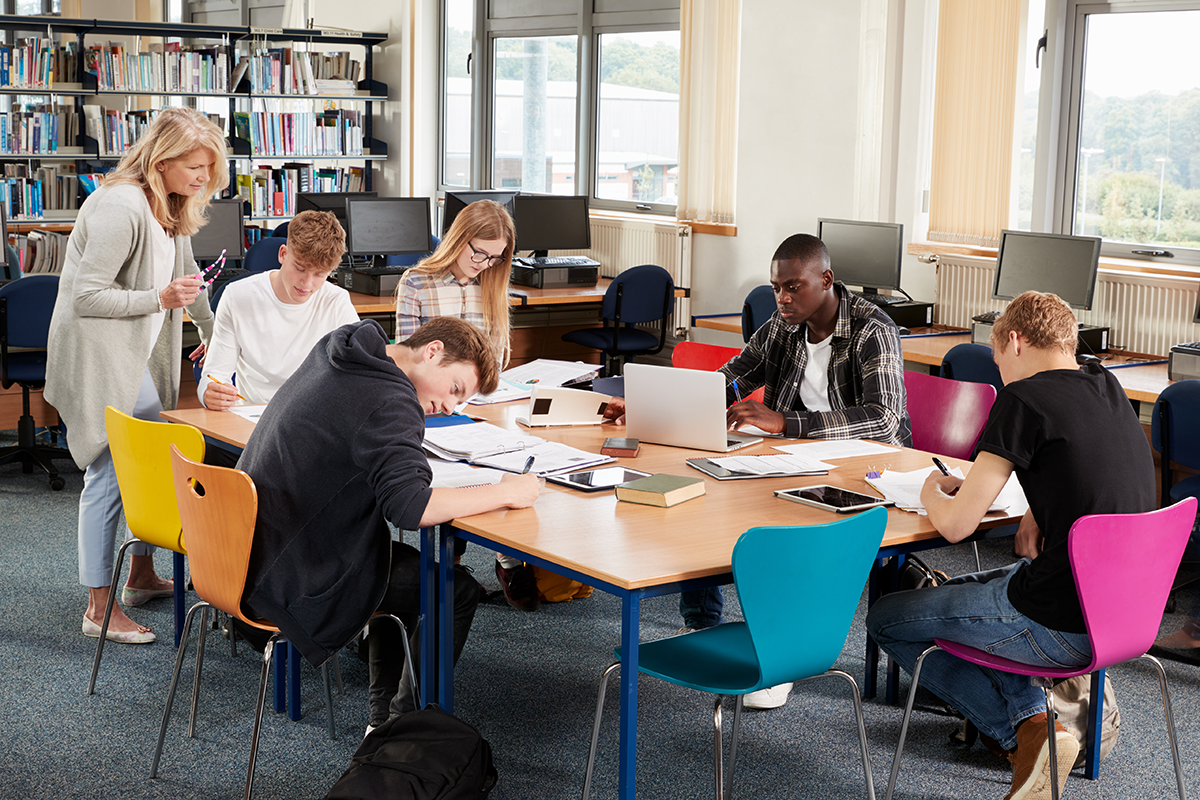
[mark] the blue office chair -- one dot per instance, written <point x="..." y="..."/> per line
<point x="25" y="310"/>
<point x="280" y="231"/>
<point x="973" y="363"/>
<point x="1175" y="433"/>
<point x="12" y="266"/>
<point x="638" y="295"/>
<point x="774" y="645"/>
<point x="411" y="260"/>
<point x="758" y="308"/>
<point x="264" y="255"/>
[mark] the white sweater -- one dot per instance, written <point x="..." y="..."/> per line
<point x="263" y="340"/>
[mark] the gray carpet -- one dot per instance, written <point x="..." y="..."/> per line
<point x="527" y="681"/>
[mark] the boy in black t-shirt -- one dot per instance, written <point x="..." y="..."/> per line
<point x="1072" y="439"/>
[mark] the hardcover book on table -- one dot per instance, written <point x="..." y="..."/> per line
<point x="660" y="490"/>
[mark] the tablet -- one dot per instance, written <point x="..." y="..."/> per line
<point x="832" y="498"/>
<point x="597" y="480"/>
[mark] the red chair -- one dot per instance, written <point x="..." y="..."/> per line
<point x="947" y="416"/>
<point x="1123" y="565"/>
<point x="708" y="358"/>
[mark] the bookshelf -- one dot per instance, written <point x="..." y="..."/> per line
<point x="297" y="106"/>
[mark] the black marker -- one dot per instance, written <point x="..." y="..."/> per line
<point x="529" y="463"/>
<point x="937" y="462"/>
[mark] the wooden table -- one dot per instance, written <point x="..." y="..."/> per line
<point x="366" y="304"/>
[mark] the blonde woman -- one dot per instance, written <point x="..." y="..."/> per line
<point x="117" y="331"/>
<point x="467" y="277"/>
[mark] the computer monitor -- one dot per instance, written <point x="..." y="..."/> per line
<point x="1047" y="262"/>
<point x="388" y="226"/>
<point x="334" y="202"/>
<point x="223" y="231"/>
<point x="457" y="201"/>
<point x="552" y="222"/>
<point x="865" y="254"/>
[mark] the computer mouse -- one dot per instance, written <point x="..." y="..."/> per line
<point x="1086" y="358"/>
<point x="904" y="331"/>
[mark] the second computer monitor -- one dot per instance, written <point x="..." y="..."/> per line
<point x="333" y="202"/>
<point x="1047" y="262"/>
<point x="865" y="254"/>
<point x="552" y="222"/>
<point x="388" y="226"/>
<point x="457" y="201"/>
<point x="222" y="232"/>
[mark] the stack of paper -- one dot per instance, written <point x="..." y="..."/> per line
<point x="904" y="489"/>
<point x="486" y="445"/>
<point x="773" y="465"/>
<point x="517" y="383"/>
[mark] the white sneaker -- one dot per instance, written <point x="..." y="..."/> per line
<point x="772" y="697"/>
<point x="369" y="729"/>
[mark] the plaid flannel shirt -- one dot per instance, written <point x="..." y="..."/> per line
<point x="424" y="297"/>
<point x="866" y="375"/>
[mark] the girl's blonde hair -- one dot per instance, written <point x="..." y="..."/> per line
<point x="175" y="133"/>
<point x="483" y="219"/>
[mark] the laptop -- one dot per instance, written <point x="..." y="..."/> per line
<point x="679" y="407"/>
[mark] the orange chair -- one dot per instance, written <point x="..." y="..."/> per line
<point x="707" y="357"/>
<point x="218" y="508"/>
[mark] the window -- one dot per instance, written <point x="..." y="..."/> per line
<point x="1133" y="130"/>
<point x="563" y="97"/>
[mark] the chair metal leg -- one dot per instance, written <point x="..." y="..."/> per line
<point x="268" y="653"/>
<point x="337" y="676"/>
<point x="112" y="596"/>
<point x="162" y="733"/>
<point x="862" y="728"/>
<point x="329" y="698"/>
<point x="408" y="659"/>
<point x="978" y="564"/>
<point x="733" y="744"/>
<point x="591" y="759"/>
<point x="1047" y="687"/>
<point x="196" y="679"/>
<point x="718" y="750"/>
<point x="912" y="694"/>
<point x="1166" y="695"/>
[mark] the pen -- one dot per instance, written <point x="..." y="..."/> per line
<point x="214" y="380"/>
<point x="937" y="462"/>
<point x="736" y="393"/>
<point x="528" y="464"/>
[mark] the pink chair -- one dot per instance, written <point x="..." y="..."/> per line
<point x="708" y="358"/>
<point x="947" y="416"/>
<point x="1123" y="566"/>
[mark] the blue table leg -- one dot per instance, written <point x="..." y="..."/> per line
<point x="630" y="620"/>
<point x="1091" y="766"/>
<point x="445" y="638"/>
<point x="293" y="681"/>
<point x="427" y="668"/>
<point x="280" y="668"/>
<point x="180" y="591"/>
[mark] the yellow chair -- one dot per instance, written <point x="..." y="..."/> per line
<point x="141" y="454"/>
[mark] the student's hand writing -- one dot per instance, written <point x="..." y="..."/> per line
<point x="522" y="489"/>
<point x="219" y="396"/>
<point x="615" y="410"/>
<point x="752" y="412"/>
<point x="1028" y="541"/>
<point x="197" y="355"/>
<point x="181" y="292"/>
<point x="946" y="484"/>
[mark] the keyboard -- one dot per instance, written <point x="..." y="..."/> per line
<point x="560" y="261"/>
<point x="989" y="317"/>
<point x="381" y="270"/>
<point x="227" y="274"/>
<point x="1192" y="347"/>
<point x="882" y="299"/>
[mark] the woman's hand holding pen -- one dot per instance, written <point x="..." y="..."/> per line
<point x="180" y="292"/>
<point x="752" y="412"/>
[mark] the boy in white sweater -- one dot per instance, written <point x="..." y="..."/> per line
<point x="266" y="324"/>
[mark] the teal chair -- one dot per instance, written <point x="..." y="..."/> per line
<point x="774" y="645"/>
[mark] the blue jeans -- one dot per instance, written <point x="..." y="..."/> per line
<point x="701" y="608"/>
<point x="974" y="610"/>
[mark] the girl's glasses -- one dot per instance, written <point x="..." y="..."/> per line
<point x="478" y="256"/>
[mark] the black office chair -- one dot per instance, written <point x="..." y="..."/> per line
<point x="638" y="295"/>
<point x="26" y="306"/>
<point x="264" y="255"/>
<point x="973" y="363"/>
<point x="758" y="308"/>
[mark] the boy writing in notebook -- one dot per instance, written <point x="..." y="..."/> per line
<point x="832" y="368"/>
<point x="336" y="456"/>
<point x="1077" y="448"/>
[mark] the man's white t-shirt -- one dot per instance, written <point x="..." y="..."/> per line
<point x="264" y="340"/>
<point x="814" y="389"/>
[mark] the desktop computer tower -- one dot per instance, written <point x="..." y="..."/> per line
<point x="554" y="277"/>
<point x="1183" y="363"/>
<point x="1092" y="339"/>
<point x="910" y="315"/>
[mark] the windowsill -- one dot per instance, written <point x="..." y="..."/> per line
<point x="1106" y="262"/>
<point x="713" y="228"/>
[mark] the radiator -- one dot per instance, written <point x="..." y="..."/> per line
<point x="619" y="244"/>
<point x="1147" y="313"/>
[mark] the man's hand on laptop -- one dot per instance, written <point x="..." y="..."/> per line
<point x="616" y="410"/>
<point x="752" y="412"/>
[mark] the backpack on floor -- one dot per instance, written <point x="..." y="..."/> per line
<point x="422" y="755"/>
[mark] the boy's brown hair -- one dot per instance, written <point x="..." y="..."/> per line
<point x="462" y="342"/>
<point x="316" y="239"/>
<point x="1043" y="319"/>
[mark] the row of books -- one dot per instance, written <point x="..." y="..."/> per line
<point x="116" y="131"/>
<point x="37" y="129"/>
<point x="37" y="63"/>
<point x="22" y="198"/>
<point x="164" y="67"/>
<point x="287" y="71"/>
<point x="42" y="252"/>
<point x="332" y="132"/>
<point x="271" y="191"/>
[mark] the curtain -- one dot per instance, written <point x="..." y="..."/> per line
<point x="710" y="32"/>
<point x="973" y="119"/>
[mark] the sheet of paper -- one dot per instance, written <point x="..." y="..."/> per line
<point x="787" y="464"/>
<point x="251" y="413"/>
<point x="904" y="489"/>
<point x="456" y="474"/>
<point x="836" y="448"/>
<point x="548" y="459"/>
<point x="469" y="442"/>
<point x="549" y="372"/>
<point x="505" y="392"/>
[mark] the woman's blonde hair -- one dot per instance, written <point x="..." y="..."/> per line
<point x="174" y="133"/>
<point x="483" y="219"/>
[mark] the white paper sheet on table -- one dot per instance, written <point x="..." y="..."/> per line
<point x="456" y="474"/>
<point x="904" y="489"/>
<point x="549" y="458"/>
<point x="783" y="464"/>
<point x="837" y="448"/>
<point x="474" y="441"/>
<point x="518" y="382"/>
<point x="251" y="413"/>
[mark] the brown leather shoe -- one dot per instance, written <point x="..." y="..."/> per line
<point x="1031" y="759"/>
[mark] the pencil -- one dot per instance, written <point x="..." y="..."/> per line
<point x="214" y="380"/>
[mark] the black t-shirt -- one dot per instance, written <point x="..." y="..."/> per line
<point x="1078" y="449"/>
